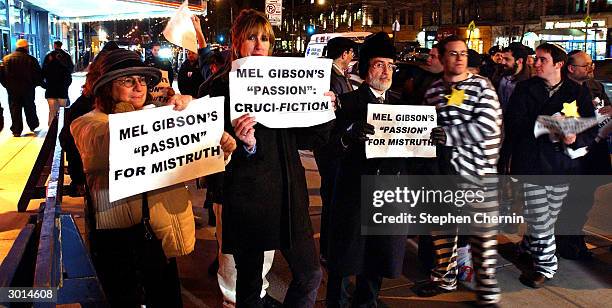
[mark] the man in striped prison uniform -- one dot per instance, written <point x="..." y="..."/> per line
<point x="470" y="118"/>
<point x="545" y="159"/>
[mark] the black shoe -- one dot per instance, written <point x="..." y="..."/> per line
<point x="16" y="134"/>
<point x="535" y="280"/>
<point x="271" y="302"/>
<point x="430" y="289"/>
<point x="213" y="268"/>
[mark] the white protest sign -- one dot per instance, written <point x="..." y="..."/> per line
<point x="159" y="93"/>
<point x="281" y="92"/>
<point x="401" y="131"/>
<point x="274" y="12"/>
<point x="557" y="126"/>
<point x="159" y="147"/>
<point x="602" y="120"/>
<point x="179" y="29"/>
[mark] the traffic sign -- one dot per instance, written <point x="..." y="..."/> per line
<point x="587" y="20"/>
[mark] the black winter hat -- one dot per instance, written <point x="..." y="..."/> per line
<point x="474" y="58"/>
<point x="121" y="62"/>
<point x="377" y="45"/>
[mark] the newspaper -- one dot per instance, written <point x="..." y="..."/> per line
<point x="559" y="126"/>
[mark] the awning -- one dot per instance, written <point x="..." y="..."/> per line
<point x="100" y="10"/>
<point x="564" y="32"/>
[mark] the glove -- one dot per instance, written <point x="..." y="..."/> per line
<point x="438" y="136"/>
<point x="357" y="132"/>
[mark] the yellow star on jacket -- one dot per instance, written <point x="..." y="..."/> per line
<point x="455" y="98"/>
<point x="570" y="110"/>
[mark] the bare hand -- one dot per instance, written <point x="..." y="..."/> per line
<point x="569" y="139"/>
<point x="179" y="101"/>
<point x="332" y="95"/>
<point x="245" y="131"/>
<point x="605" y="110"/>
<point x="196" y="22"/>
<point x="228" y="144"/>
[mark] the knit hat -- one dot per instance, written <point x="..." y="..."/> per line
<point x="378" y="45"/>
<point x="22" y="43"/>
<point x="474" y="58"/>
<point x="120" y="62"/>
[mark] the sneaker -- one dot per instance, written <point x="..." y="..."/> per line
<point x="430" y="289"/>
<point x="535" y="280"/>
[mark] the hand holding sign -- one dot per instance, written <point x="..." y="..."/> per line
<point x="358" y="132"/>
<point x="228" y="145"/>
<point x="245" y="131"/>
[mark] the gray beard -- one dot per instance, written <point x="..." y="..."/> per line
<point x="380" y="85"/>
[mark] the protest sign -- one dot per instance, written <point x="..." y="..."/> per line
<point x="401" y="131"/>
<point x="180" y="31"/>
<point x="560" y="126"/>
<point x="159" y="147"/>
<point x="161" y="92"/>
<point x="281" y="92"/>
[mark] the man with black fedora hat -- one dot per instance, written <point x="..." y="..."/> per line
<point x="370" y="258"/>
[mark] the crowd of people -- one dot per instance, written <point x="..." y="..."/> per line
<point x="260" y="202"/>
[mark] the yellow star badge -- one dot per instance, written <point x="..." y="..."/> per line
<point x="455" y="98"/>
<point x="570" y="110"/>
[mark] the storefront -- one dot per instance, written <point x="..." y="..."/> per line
<point x="576" y="35"/>
<point x="526" y="34"/>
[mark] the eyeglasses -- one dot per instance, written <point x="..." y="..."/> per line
<point x="130" y="82"/>
<point x="458" y="54"/>
<point x="588" y="65"/>
<point x="381" y="65"/>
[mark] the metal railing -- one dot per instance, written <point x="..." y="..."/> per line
<point x="49" y="252"/>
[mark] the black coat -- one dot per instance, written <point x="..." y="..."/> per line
<point x="339" y="83"/>
<point x="189" y="78"/>
<point x="531" y="156"/>
<point x="349" y="252"/>
<point x="162" y="64"/>
<point x="21" y="73"/>
<point x="265" y="197"/>
<point x="597" y="160"/>
<point x="81" y="106"/>
<point x="57" y="72"/>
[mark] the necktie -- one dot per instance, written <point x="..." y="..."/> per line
<point x="381" y="100"/>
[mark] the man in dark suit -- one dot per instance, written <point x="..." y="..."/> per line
<point x="370" y="258"/>
<point x="342" y="51"/>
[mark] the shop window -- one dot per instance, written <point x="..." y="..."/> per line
<point x="410" y="18"/>
<point x="402" y="17"/>
<point x="3" y="14"/>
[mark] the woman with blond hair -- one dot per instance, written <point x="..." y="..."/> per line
<point x="265" y="199"/>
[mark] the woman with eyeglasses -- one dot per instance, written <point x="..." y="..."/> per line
<point x="132" y="271"/>
<point x="265" y="198"/>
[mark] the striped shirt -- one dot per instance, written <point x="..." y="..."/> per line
<point x="472" y="127"/>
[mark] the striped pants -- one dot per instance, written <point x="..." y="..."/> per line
<point x="542" y="207"/>
<point x="483" y="241"/>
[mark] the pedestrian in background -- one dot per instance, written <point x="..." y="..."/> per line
<point x="155" y="60"/>
<point x="21" y="74"/>
<point x="57" y="74"/>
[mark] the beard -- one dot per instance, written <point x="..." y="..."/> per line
<point x="380" y="84"/>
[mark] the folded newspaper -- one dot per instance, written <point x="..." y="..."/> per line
<point x="562" y="126"/>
